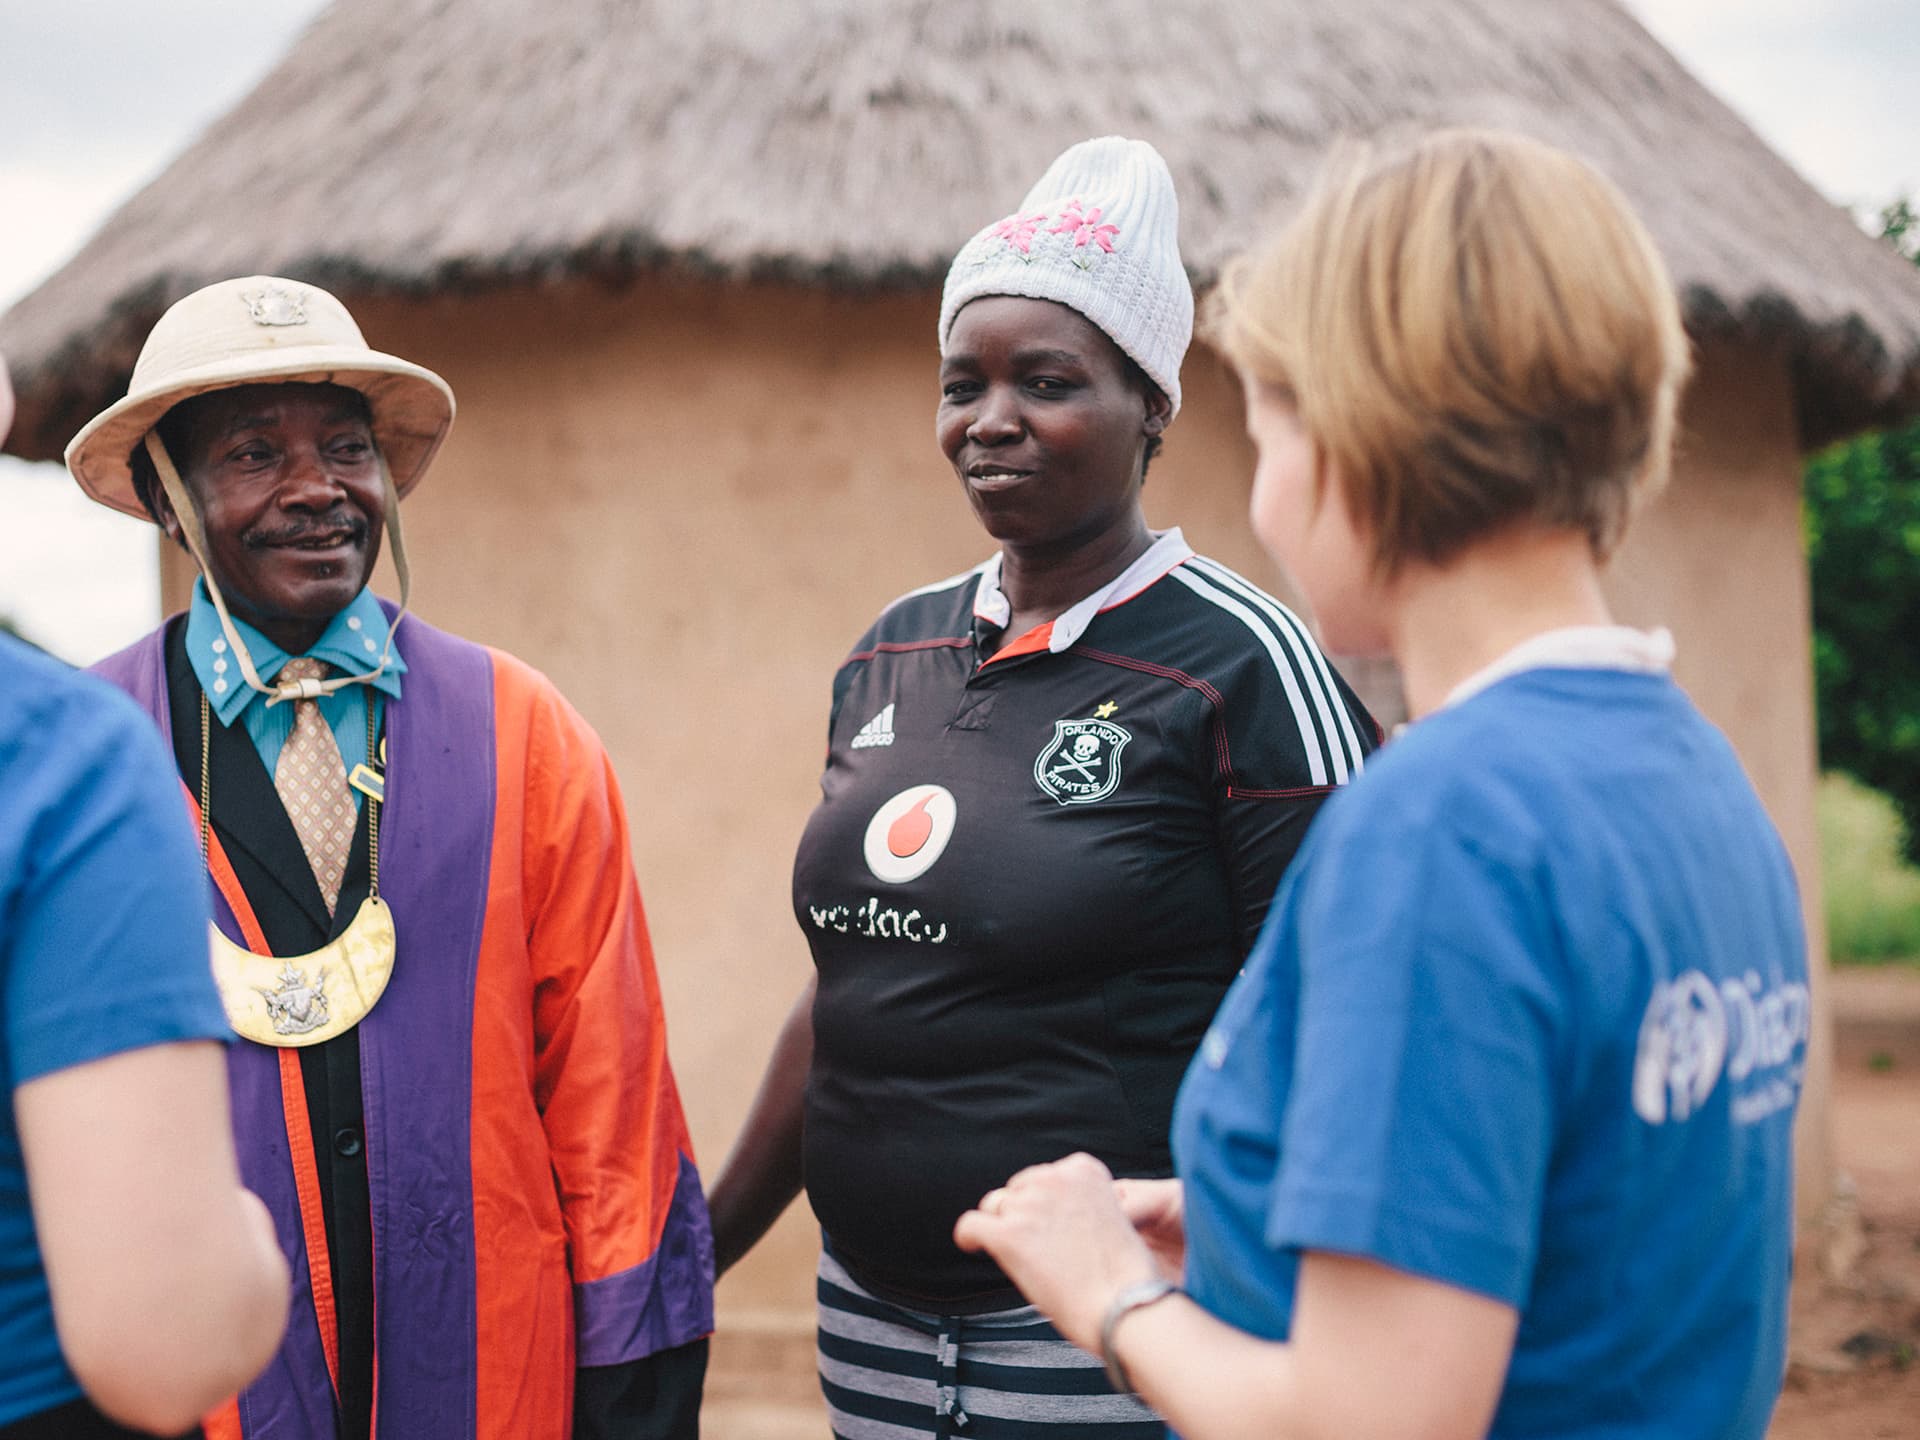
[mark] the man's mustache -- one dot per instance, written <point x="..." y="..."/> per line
<point x="320" y="528"/>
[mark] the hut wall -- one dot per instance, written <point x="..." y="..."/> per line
<point x="1720" y="560"/>
<point x="684" y="501"/>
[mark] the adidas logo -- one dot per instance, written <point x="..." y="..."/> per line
<point x="877" y="731"/>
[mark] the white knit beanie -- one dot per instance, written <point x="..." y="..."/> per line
<point x="1100" y="234"/>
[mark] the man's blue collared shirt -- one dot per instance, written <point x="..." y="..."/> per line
<point x="352" y="642"/>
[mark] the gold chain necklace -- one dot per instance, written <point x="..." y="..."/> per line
<point x="293" y="1000"/>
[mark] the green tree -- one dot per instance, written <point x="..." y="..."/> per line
<point x="1900" y="227"/>
<point x="1863" y="545"/>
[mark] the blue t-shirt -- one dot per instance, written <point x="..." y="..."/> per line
<point x="1529" y="1018"/>
<point x="103" y="941"/>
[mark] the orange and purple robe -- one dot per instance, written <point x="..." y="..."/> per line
<point x="530" y="1182"/>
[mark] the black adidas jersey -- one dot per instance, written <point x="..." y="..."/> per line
<point x="1029" y="881"/>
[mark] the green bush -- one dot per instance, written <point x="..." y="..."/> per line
<point x="1872" y="898"/>
<point x="1863" y="553"/>
<point x="1863" y="546"/>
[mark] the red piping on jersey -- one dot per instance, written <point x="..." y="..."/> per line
<point x="1214" y="698"/>
<point x="1166" y="672"/>
<point x="895" y="647"/>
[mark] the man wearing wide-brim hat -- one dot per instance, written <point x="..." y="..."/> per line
<point x="450" y="1079"/>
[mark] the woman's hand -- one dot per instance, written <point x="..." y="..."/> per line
<point x="1061" y="1236"/>
<point x="1157" y="1210"/>
<point x="766" y="1167"/>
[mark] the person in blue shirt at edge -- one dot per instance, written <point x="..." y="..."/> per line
<point x="1494" y="1134"/>
<point x="138" y="1280"/>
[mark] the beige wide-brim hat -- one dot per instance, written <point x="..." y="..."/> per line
<point x="257" y="330"/>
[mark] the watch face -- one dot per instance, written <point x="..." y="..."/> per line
<point x="909" y="832"/>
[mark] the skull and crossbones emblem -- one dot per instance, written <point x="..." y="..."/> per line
<point x="1082" y="758"/>
<point x="1081" y="763"/>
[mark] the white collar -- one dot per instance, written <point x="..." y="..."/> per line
<point x="990" y="602"/>
<point x="1575" y="647"/>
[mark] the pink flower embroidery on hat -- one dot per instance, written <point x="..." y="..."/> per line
<point x="1084" y="225"/>
<point x="1017" y="230"/>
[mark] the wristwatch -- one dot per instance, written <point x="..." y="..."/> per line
<point x="1135" y="1297"/>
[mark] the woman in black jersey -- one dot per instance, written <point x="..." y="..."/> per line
<point x="1061" y="789"/>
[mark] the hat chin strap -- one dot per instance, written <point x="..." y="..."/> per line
<point x="195" y="535"/>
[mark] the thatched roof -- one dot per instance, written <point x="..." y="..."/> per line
<point x="426" y="145"/>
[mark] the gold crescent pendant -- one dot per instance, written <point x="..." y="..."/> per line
<point x="293" y="1000"/>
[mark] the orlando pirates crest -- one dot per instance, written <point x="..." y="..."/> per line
<point x="1081" y="763"/>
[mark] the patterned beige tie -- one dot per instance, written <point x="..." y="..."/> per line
<point x="312" y="781"/>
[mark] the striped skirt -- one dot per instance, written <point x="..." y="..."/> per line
<point x="894" y="1374"/>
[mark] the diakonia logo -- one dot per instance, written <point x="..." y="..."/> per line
<point x="910" y="832"/>
<point x="1081" y="763"/>
<point x="1696" y="1032"/>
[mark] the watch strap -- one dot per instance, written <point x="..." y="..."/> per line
<point x="1135" y="1297"/>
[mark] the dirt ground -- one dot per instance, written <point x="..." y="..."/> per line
<point x="1854" y="1371"/>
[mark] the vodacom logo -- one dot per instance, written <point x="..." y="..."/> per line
<point x="909" y="832"/>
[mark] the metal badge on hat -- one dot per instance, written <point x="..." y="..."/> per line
<point x="276" y="305"/>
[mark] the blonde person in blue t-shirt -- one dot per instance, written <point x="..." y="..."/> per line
<point x="140" y="1285"/>
<point x="1493" y="1136"/>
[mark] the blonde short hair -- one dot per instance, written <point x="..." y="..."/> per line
<point x="1476" y="332"/>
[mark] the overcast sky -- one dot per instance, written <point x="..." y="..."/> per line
<point x="96" y="96"/>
